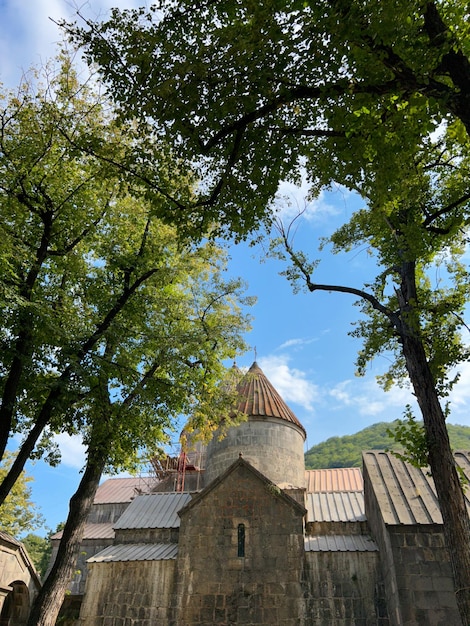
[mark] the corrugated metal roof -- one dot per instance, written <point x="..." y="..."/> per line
<point x="406" y="494"/>
<point x="93" y="531"/>
<point x="258" y="398"/>
<point x="136" y="552"/>
<point x="335" y="479"/>
<point x="116" y="490"/>
<point x="336" y="507"/>
<point x="159" y="510"/>
<point x="340" y="543"/>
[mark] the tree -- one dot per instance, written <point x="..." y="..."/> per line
<point x="300" y="81"/>
<point x="18" y="514"/>
<point x="79" y="245"/>
<point x="112" y="322"/>
<point x="39" y="549"/>
<point x="169" y="365"/>
<point x="253" y="93"/>
<point x="419" y="231"/>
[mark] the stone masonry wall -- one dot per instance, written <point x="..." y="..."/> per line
<point x="129" y="593"/>
<point x="273" y="446"/>
<point x="216" y="586"/>
<point x="416" y="569"/>
<point x="424" y="576"/>
<point x="344" y="588"/>
<point x="17" y="577"/>
<point x="146" y="535"/>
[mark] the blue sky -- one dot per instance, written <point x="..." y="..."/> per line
<point x="301" y="340"/>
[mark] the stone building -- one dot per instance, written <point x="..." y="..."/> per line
<point x="19" y="582"/>
<point x="240" y="533"/>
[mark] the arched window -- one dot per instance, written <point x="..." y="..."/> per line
<point x="241" y="539"/>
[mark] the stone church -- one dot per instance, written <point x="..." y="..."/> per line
<point x="238" y="532"/>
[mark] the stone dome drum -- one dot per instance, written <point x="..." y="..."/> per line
<point x="271" y="439"/>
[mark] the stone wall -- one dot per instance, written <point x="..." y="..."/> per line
<point x="425" y="584"/>
<point x="103" y="513"/>
<point x="146" y="535"/>
<point x="19" y="582"/>
<point x="416" y="569"/>
<point x="262" y="586"/>
<point x="274" y="446"/>
<point x="128" y="593"/>
<point x="344" y="588"/>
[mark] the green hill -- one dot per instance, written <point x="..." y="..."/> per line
<point x="346" y="451"/>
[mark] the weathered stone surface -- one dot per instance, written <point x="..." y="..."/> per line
<point x="342" y="588"/>
<point x="215" y="584"/>
<point x="127" y="593"/>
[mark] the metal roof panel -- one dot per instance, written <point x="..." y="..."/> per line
<point x="334" y="479"/>
<point x="116" y="490"/>
<point x="345" y="506"/>
<point x="158" y="510"/>
<point x="93" y="531"/>
<point x="136" y="552"/>
<point x="258" y="398"/>
<point x="340" y="543"/>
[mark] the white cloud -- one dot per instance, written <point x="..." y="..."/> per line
<point x="29" y="35"/>
<point x="296" y="343"/>
<point x="72" y="450"/>
<point x="291" y="383"/>
<point x="292" y="201"/>
<point x="460" y="396"/>
<point x="368" y="399"/>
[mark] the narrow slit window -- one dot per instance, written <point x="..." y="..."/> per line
<point x="241" y="539"/>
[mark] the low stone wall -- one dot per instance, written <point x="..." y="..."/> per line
<point x="128" y="592"/>
<point x="344" y="589"/>
<point x="423" y="576"/>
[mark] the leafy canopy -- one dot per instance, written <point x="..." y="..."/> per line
<point x="112" y="322"/>
<point x="252" y="92"/>
<point x="40" y="550"/>
<point x="18" y="513"/>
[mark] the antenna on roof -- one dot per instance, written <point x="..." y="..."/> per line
<point x="255" y="353"/>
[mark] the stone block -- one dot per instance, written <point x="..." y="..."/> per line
<point x="423" y="583"/>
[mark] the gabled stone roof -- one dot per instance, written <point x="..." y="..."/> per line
<point x="258" y="398"/>
<point x="234" y="467"/>
<point x="405" y="495"/>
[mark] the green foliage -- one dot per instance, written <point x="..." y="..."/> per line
<point x="18" y="514"/>
<point x="373" y="96"/>
<point x="411" y="438"/>
<point x="302" y="82"/>
<point x="347" y="451"/>
<point x="40" y="550"/>
<point x="113" y="324"/>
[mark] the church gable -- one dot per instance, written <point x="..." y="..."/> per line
<point x="240" y="552"/>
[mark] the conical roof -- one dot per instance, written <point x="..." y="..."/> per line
<point x="258" y="398"/>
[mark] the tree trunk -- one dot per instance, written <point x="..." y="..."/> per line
<point x="49" y="601"/>
<point x="444" y="472"/>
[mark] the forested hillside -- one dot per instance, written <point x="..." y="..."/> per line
<point x="346" y="451"/>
